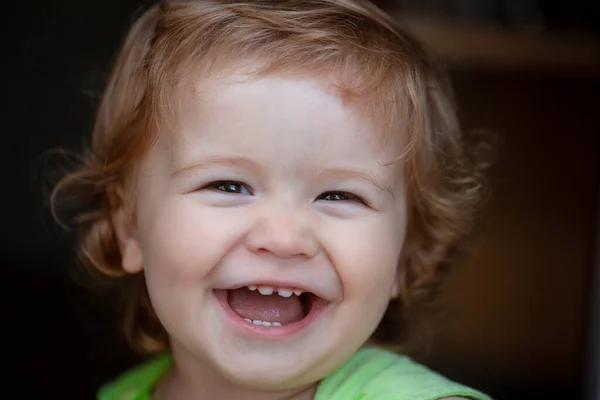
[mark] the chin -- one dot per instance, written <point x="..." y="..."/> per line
<point x="265" y="376"/>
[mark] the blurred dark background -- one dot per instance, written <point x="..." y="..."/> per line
<point x="518" y="321"/>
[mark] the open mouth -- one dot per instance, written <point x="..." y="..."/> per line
<point x="271" y="307"/>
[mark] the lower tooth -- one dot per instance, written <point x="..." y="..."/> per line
<point x="263" y="323"/>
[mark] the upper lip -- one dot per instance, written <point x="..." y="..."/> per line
<point x="277" y="284"/>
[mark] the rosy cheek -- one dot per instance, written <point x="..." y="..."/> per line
<point x="175" y="244"/>
<point x="382" y="249"/>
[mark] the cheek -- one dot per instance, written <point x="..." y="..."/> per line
<point x="367" y="259"/>
<point x="183" y="241"/>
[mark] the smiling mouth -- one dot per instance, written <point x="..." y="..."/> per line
<point x="272" y="307"/>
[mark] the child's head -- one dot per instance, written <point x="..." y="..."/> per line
<point x="307" y="146"/>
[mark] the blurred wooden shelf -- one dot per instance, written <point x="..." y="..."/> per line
<point x="464" y="46"/>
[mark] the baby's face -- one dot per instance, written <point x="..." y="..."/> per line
<point x="270" y="188"/>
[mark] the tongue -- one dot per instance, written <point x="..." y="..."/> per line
<point x="274" y="308"/>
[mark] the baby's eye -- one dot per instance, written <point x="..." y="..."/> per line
<point x="229" y="187"/>
<point x="340" y="196"/>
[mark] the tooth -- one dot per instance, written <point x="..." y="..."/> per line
<point x="298" y="292"/>
<point x="257" y="322"/>
<point x="265" y="323"/>
<point x="266" y="290"/>
<point x="248" y="320"/>
<point x="252" y="287"/>
<point x="285" y="292"/>
<point x="276" y="324"/>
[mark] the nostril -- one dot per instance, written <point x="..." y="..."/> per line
<point x="282" y="237"/>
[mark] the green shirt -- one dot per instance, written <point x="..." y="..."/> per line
<point x="369" y="374"/>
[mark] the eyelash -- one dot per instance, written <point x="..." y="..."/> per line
<point x="222" y="184"/>
<point x="347" y="196"/>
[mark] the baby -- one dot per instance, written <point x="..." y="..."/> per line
<point x="276" y="184"/>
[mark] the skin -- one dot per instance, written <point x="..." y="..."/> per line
<point x="269" y="178"/>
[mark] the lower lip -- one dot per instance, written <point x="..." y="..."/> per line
<point x="274" y="332"/>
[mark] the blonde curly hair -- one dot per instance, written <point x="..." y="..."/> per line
<point x="371" y="58"/>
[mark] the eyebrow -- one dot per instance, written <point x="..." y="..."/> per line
<point x="247" y="164"/>
<point x="235" y="161"/>
<point x="354" y="174"/>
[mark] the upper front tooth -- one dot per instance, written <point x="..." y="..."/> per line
<point x="298" y="292"/>
<point x="252" y="287"/>
<point x="285" y="292"/>
<point x="266" y="290"/>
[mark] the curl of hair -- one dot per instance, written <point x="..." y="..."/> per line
<point x="352" y="42"/>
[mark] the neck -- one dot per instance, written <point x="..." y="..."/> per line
<point x="193" y="380"/>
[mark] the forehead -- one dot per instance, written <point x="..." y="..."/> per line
<point x="283" y="103"/>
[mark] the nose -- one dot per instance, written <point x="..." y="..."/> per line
<point x="284" y="234"/>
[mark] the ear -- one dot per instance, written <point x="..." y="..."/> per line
<point x="396" y="287"/>
<point x="399" y="276"/>
<point x="123" y="223"/>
